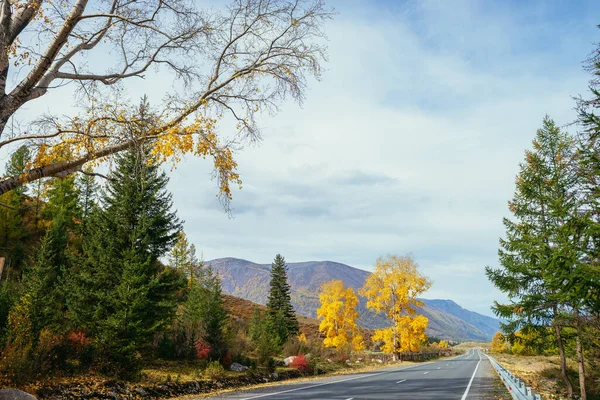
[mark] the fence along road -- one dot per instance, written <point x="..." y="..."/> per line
<point x="466" y="377"/>
<point x="516" y="387"/>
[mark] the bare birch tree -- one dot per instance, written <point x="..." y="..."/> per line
<point x="239" y="61"/>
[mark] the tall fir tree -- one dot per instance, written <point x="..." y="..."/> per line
<point x="540" y="245"/>
<point x="214" y="315"/>
<point x="40" y="308"/>
<point x="63" y="199"/>
<point x="261" y="335"/>
<point x="44" y="280"/>
<point x="88" y="199"/>
<point x="121" y="294"/>
<point x="585" y="285"/>
<point x="183" y="257"/>
<point x="279" y="303"/>
<point x="589" y="170"/>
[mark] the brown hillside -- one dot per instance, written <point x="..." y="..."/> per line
<point x="241" y="309"/>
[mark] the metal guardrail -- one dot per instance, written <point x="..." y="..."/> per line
<point x="516" y="387"/>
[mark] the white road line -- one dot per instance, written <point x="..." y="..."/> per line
<point x="439" y="367"/>
<point x="403" y="380"/>
<point x="351" y="398"/>
<point x="330" y="383"/>
<point x="425" y="373"/>
<point x="311" y="386"/>
<point x="471" y="381"/>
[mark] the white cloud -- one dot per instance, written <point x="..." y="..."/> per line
<point x="431" y="135"/>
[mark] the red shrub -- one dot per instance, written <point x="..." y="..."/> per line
<point x="202" y="349"/>
<point x="78" y="339"/>
<point x="301" y="364"/>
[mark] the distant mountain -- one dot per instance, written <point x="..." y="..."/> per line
<point x="248" y="280"/>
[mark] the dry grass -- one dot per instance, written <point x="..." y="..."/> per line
<point x="178" y="371"/>
<point x="540" y="372"/>
<point x="468" y="345"/>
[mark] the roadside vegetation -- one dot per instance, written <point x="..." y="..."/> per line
<point x="549" y="257"/>
<point x="101" y="285"/>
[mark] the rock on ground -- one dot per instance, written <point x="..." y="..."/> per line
<point x="289" y="360"/>
<point x="14" y="394"/>
<point x="238" y="367"/>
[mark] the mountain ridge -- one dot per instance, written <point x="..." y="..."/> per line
<point x="250" y="281"/>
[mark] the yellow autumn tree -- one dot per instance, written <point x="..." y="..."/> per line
<point x="443" y="344"/>
<point x="522" y="343"/>
<point x="338" y="316"/>
<point x="412" y="332"/>
<point x="498" y="343"/>
<point x="392" y="289"/>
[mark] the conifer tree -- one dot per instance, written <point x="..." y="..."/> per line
<point x="63" y="200"/>
<point x="541" y="245"/>
<point x="88" y="192"/>
<point x="40" y="307"/>
<point x="261" y="335"/>
<point x="585" y="287"/>
<point x="204" y="315"/>
<point x="214" y="315"/>
<point x="121" y="293"/>
<point x="279" y="303"/>
<point x="183" y="257"/>
<point x="44" y="280"/>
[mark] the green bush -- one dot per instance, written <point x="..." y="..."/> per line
<point x="214" y="370"/>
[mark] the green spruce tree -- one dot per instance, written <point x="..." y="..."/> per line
<point x="88" y="195"/>
<point x="262" y="337"/>
<point x="121" y="294"/>
<point x="204" y="315"/>
<point x="183" y="257"/>
<point x="63" y="200"/>
<point x="583" y="286"/>
<point x="538" y="248"/>
<point x="133" y="295"/>
<point x="279" y="303"/>
<point x="214" y="315"/>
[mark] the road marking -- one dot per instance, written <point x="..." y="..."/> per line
<point x="351" y="398"/>
<point x="403" y="380"/>
<point x="471" y="381"/>
<point x="439" y="367"/>
<point x="330" y="383"/>
<point x="425" y="373"/>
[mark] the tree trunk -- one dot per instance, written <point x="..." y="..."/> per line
<point x="563" y="361"/>
<point x="580" y="359"/>
<point x="395" y="353"/>
<point x="50" y="170"/>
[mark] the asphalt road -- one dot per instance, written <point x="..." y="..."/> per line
<point x="469" y="376"/>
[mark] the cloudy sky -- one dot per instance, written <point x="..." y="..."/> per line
<point x="409" y="144"/>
